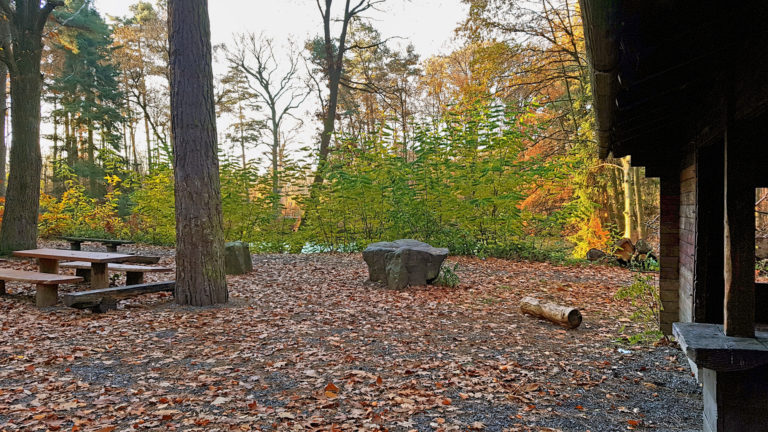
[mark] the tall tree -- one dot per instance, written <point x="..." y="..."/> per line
<point x="200" y="278"/>
<point x="333" y="52"/>
<point x="142" y="55"/>
<point x="22" y="55"/>
<point x="5" y="38"/>
<point x="276" y="85"/>
<point x="86" y="86"/>
<point x="237" y="99"/>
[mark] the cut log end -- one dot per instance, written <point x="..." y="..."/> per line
<point x="574" y="318"/>
<point x="563" y="315"/>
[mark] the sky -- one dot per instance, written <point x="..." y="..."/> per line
<point x="428" y="24"/>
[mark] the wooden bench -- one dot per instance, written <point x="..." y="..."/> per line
<point x="102" y="300"/>
<point x="47" y="284"/>
<point x="134" y="274"/>
<point x="111" y="244"/>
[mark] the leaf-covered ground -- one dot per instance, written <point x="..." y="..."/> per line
<point x="307" y="344"/>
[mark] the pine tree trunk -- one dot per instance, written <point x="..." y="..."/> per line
<point x="638" y="197"/>
<point x="617" y="198"/>
<point x="275" y="168"/>
<point x="146" y="131"/>
<point x="627" y="188"/>
<point x="19" y="229"/>
<point x="92" y="181"/>
<point x="69" y="140"/>
<point x="57" y="186"/>
<point x="3" y="116"/>
<point x="200" y="278"/>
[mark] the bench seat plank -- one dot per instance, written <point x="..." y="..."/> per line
<point x="94" y="298"/>
<point x="118" y="267"/>
<point x="37" y="277"/>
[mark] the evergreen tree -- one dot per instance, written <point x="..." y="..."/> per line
<point x="87" y="88"/>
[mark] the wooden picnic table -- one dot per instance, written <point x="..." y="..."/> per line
<point x="48" y="262"/>
<point x="111" y="244"/>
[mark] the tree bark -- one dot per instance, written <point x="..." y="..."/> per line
<point x="19" y="228"/>
<point x="3" y="116"/>
<point x="638" y="197"/>
<point x="200" y="278"/>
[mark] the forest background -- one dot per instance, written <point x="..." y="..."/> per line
<point x="488" y="150"/>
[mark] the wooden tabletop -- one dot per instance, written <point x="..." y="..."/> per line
<point x="60" y="254"/>
<point x="35" y="277"/>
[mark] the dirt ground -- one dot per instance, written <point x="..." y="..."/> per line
<point x="307" y="344"/>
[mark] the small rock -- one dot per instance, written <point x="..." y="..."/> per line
<point x="237" y="258"/>
<point x="220" y="401"/>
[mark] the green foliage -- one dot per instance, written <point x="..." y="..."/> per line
<point x="77" y="214"/>
<point x="460" y="185"/>
<point x="448" y="277"/>
<point x="643" y="295"/>
<point x="153" y="219"/>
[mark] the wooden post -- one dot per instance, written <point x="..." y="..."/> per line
<point x="46" y="295"/>
<point x="99" y="276"/>
<point x="47" y="265"/>
<point x="739" y="263"/>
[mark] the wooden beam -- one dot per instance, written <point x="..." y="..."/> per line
<point x="89" y="299"/>
<point x="739" y="225"/>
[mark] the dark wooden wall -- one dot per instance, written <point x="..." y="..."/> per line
<point x="669" y="282"/>
<point x="688" y="197"/>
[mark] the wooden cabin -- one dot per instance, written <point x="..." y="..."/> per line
<point x="682" y="87"/>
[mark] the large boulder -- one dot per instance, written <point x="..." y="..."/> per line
<point x="237" y="258"/>
<point x="403" y="262"/>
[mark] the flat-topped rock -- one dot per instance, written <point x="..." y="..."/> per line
<point x="403" y="262"/>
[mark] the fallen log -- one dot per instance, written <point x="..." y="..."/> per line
<point x="563" y="315"/>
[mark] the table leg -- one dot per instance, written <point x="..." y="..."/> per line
<point x="74" y="245"/>
<point x="111" y="247"/>
<point x="2" y="287"/>
<point x="134" y="278"/>
<point x="99" y="276"/>
<point x="46" y="295"/>
<point x="47" y="265"/>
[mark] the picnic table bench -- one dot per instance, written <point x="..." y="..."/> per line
<point x="102" y="300"/>
<point x="134" y="274"/>
<point x="47" y="284"/>
<point x="111" y="244"/>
